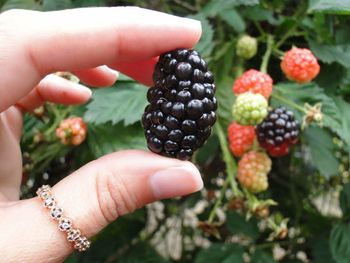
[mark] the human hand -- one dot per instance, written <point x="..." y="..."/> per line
<point x="33" y="45"/>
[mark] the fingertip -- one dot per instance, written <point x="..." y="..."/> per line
<point x="175" y="181"/>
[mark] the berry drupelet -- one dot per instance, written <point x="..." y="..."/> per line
<point x="278" y="131"/>
<point x="182" y="105"/>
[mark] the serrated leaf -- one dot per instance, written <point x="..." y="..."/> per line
<point x="104" y="139"/>
<point x="238" y="224"/>
<point x="334" y="115"/>
<point x="331" y="53"/>
<point x="221" y="253"/>
<point x="261" y="256"/>
<point x="344" y="200"/>
<point x="205" y="44"/>
<point x="234" y="19"/>
<point x="21" y="4"/>
<point x="142" y="253"/>
<point x="308" y="93"/>
<point x="340" y="243"/>
<point x="124" y="103"/>
<point x="329" y="6"/>
<point x="322" y="150"/>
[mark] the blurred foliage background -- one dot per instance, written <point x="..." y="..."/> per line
<point x="309" y="221"/>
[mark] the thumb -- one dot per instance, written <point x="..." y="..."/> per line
<point x="95" y="195"/>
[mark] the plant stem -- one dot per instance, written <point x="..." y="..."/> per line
<point x="267" y="55"/>
<point x="231" y="165"/>
<point x="231" y="168"/>
<point x="288" y="102"/>
<point x="297" y="16"/>
<point x="218" y="201"/>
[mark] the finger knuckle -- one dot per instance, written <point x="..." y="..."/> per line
<point x="113" y="195"/>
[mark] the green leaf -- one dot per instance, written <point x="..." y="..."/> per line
<point x="49" y="5"/>
<point x="106" y="138"/>
<point x="206" y="44"/>
<point x="331" y="53"/>
<point x="85" y="3"/>
<point x="258" y="13"/>
<point x="221" y="253"/>
<point x="124" y="103"/>
<point x="234" y="19"/>
<point x="340" y="242"/>
<point x="142" y="253"/>
<point x="321" y="251"/>
<point x="344" y="200"/>
<point x="322" y="150"/>
<point x="238" y="224"/>
<point x="330" y="77"/>
<point x="343" y="130"/>
<point x="308" y="93"/>
<point x="214" y="7"/>
<point x="329" y="6"/>
<point x="21" y="4"/>
<point x="225" y="99"/>
<point x="261" y="256"/>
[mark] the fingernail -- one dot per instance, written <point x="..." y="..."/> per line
<point x="115" y="72"/>
<point x="84" y="90"/>
<point x="176" y="181"/>
<point x="193" y="24"/>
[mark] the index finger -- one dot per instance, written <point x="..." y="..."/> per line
<point x="36" y="44"/>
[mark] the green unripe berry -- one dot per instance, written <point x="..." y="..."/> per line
<point x="246" y="47"/>
<point x="250" y="109"/>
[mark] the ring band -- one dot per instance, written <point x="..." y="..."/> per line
<point x="80" y="242"/>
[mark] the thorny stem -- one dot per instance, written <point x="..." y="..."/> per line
<point x="267" y="55"/>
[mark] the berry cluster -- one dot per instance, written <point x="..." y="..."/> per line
<point x="72" y="131"/>
<point x="182" y="105"/>
<point x="275" y="130"/>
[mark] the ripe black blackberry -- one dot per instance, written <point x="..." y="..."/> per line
<point x="278" y="131"/>
<point x="182" y="106"/>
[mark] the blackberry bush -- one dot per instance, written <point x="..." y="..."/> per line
<point x="182" y="106"/>
<point x="289" y="53"/>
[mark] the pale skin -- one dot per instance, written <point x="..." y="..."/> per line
<point x="90" y="43"/>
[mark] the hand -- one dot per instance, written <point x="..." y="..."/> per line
<point x="33" y="45"/>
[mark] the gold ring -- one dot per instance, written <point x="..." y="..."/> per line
<point x="74" y="236"/>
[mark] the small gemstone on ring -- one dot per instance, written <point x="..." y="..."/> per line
<point x="64" y="224"/>
<point x="49" y="201"/>
<point x="56" y="212"/>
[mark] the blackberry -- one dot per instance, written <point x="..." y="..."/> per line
<point x="278" y="131"/>
<point x="182" y="106"/>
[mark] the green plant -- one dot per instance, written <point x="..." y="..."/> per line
<point x="303" y="214"/>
